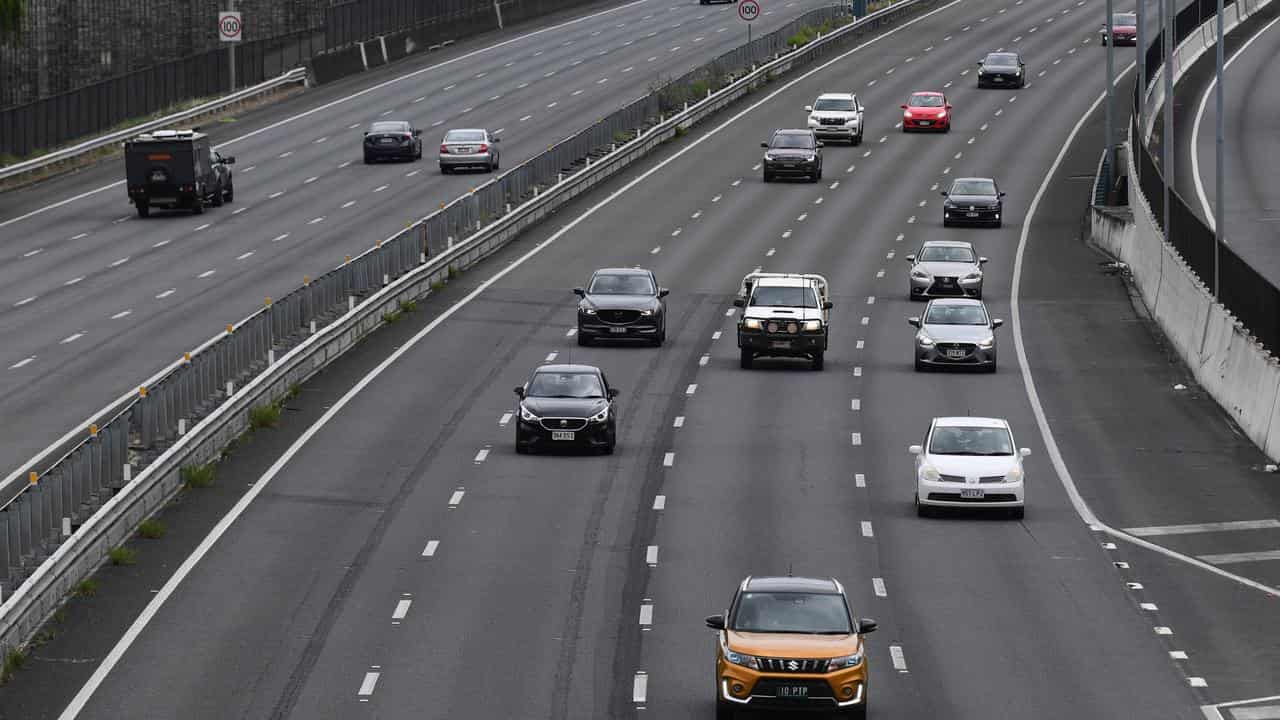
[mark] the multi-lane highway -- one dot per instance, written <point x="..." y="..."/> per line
<point x="1252" y="150"/>
<point x="399" y="559"/>
<point x="95" y="300"/>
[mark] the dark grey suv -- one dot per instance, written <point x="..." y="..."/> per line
<point x="792" y="153"/>
<point x="622" y="303"/>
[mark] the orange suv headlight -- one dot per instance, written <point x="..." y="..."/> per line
<point x="841" y="663"/>
<point x="737" y="658"/>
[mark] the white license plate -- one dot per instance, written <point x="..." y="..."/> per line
<point x="792" y="691"/>
<point x="617" y="330"/>
<point x="955" y="354"/>
<point x="925" y="123"/>
<point x="999" y="79"/>
<point x="568" y="435"/>
<point x="781" y="344"/>
<point x="973" y="494"/>
<point x="971" y="214"/>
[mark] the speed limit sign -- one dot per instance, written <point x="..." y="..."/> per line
<point x="229" y="26"/>
<point x="748" y="10"/>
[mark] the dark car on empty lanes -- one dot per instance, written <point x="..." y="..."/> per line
<point x="622" y="303"/>
<point x="393" y="139"/>
<point x="566" y="406"/>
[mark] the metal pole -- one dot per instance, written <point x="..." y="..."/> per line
<point x="1142" y="64"/>
<point x="1166" y="137"/>
<point x="1219" y="219"/>
<point x="1107" y="171"/>
<point x="231" y="49"/>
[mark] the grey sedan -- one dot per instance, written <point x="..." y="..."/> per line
<point x="955" y="332"/>
<point x="469" y="148"/>
<point x="945" y="268"/>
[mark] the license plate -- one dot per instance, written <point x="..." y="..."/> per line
<point x="385" y="141"/>
<point x="925" y="123"/>
<point x="955" y="354"/>
<point x="780" y="344"/>
<point x="568" y="435"/>
<point x="792" y="691"/>
<point x="973" y="494"/>
<point x="971" y="214"/>
<point x="998" y="79"/>
<point x="157" y="177"/>
<point x="617" y="330"/>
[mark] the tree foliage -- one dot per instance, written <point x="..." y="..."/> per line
<point x="11" y="14"/>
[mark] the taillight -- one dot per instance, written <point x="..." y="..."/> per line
<point x="408" y="137"/>
<point x="444" y="149"/>
<point x="484" y="147"/>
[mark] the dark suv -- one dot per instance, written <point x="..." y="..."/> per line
<point x="1002" y="69"/>
<point x="622" y="303"/>
<point x="176" y="169"/>
<point x="794" y="153"/>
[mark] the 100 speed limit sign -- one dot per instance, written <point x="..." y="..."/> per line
<point x="748" y="10"/>
<point x="230" y="28"/>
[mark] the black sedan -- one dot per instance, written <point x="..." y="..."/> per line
<point x="622" y="303"/>
<point x="1002" y="69"/>
<point x="566" y="406"/>
<point x="794" y="153"/>
<point x="393" y="139"/>
<point x="973" y="201"/>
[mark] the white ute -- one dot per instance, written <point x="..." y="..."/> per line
<point x="783" y="315"/>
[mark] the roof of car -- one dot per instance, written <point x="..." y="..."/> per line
<point x="835" y="96"/>
<point x="623" y="271"/>
<point x="792" y="131"/>
<point x="566" y="368"/>
<point x="956" y="302"/>
<point x="792" y="584"/>
<point x="926" y="92"/>
<point x="947" y="243"/>
<point x="376" y="123"/>
<point x="972" y="179"/>
<point x="970" y="422"/>
<point x="461" y="130"/>
<point x="791" y="281"/>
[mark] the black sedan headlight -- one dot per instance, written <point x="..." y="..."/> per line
<point x="600" y="417"/>
<point x="586" y="310"/>
<point x="526" y="415"/>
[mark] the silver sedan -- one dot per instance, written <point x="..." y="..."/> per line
<point x="955" y="332"/>
<point x="469" y="148"/>
<point x="945" y="268"/>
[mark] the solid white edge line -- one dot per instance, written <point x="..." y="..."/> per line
<point x="1033" y="396"/>
<point x="1195" y="127"/>
<point x="131" y="635"/>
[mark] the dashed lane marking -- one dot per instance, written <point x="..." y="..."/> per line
<point x="506" y="418"/>
<point x="878" y="585"/>
<point x="430" y="549"/>
<point x="669" y="459"/>
<point x="651" y="555"/>
<point x="22" y="363"/>
<point x="660" y="502"/>
<point x="206" y="274"/>
<point x="456" y="498"/>
<point x="866" y="529"/>
<point x="899" y="659"/>
<point x="71" y="338"/>
<point x="480" y="456"/>
<point x="368" y="684"/>
<point x="859" y="480"/>
<point x="166" y="294"/>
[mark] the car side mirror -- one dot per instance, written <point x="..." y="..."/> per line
<point x="808" y="108"/>
<point x="904" y="107"/>
<point x="980" y="63"/>
<point x="867" y="625"/>
<point x="739" y="302"/>
<point x="663" y="292"/>
<point x="613" y="392"/>
<point x="495" y="140"/>
<point x="579" y="292"/>
<point x="520" y="391"/>
<point x="860" y="107"/>
<point x="910" y="258"/>
<point x="944" y="193"/>
<point x="916" y="450"/>
<point x="366" y="133"/>
<point x="948" y="106"/>
<point x="817" y="143"/>
<point x="417" y="133"/>
<point x="764" y="145"/>
<point x="827" y="304"/>
<point x="229" y="160"/>
<point x="914" y="321"/>
<point x="1024" y="452"/>
<point x="1002" y="194"/>
<point x="981" y="260"/>
<point x="715" y="622"/>
<point x="996" y="323"/>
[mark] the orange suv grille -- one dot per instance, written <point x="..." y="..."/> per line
<point x="792" y="665"/>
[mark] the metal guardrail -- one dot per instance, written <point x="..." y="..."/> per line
<point x="295" y="75"/>
<point x="311" y="327"/>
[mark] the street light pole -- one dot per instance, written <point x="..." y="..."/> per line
<point x="231" y="50"/>
<point x="1219" y="220"/>
<point x="1142" y="63"/>
<point x="1108" y="173"/>
<point x="1166" y="137"/>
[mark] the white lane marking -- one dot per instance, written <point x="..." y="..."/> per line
<point x="676" y="232"/>
<point x="551" y="105"/>
<point x="74" y="280"/>
<point x="715" y="335"/>
<point x="999" y="112"/>
<point x="80" y="236"/>
<point x="576" y="92"/>
<point x="646" y="614"/>
<point x="1242" y="557"/>
<point x="310" y="180"/>
<point x="728" y="313"/>
<point x="870" y="83"/>
<point x="736" y="183"/>
<point x="467" y="110"/>
<point x="71" y="338"/>
<point x="280" y="237"/>
<point x="24" y="301"/>
<point x="22" y="363"/>
<point x="899" y="659"/>
<point x="851" y="169"/>
<point x="158" y="600"/>
<point x="495" y="97"/>
<point x="639" y="688"/>
<point x="244" y="256"/>
<point x="669" y="459"/>
<point x="756" y="166"/>
<point x="602" y="81"/>
<point x="923" y="203"/>
<point x="818" y="201"/>
<point x="678" y="422"/>
<point x="786" y="234"/>
<point x="866" y="153"/>
<point x="883" y="138"/>
<point x="857" y="371"/>
<point x="1177" y="655"/>
<point x="239" y="210"/>
<point x="702" y="361"/>
<point x="344" y="164"/>
<point x="525" y="118"/>
<point x="860" y="480"/>
<point x="866" y="529"/>
<point x="166" y="293"/>
<point x="120" y="262"/>
<point x="275" y="195"/>
<point x="802" y="217"/>
<point x="878" y="585"/>
<point x="551" y="357"/>
<point x="206" y="273"/>
<point x="910" y="221"/>
<point x="480" y="456"/>
<point x="1156" y="530"/>
<point x="313" y="221"/>
<point x="402" y="609"/>
<point x="418" y="100"/>
<point x="1163" y="630"/>
<point x="770" y="252"/>
<point x="660" y="502"/>
<point x="880" y="273"/>
<point x="522" y="86"/>
<point x="980" y="129"/>
<point x="348" y="204"/>
<point x="571" y="332"/>
<point x="380" y="188"/>
<point x="1041" y="73"/>
<point x="651" y="555"/>
<point x="352" y="126"/>
<point x="856" y="439"/>
<point x="506" y="418"/>
<point x="35" y="252"/>
<point x="1018" y="39"/>
<point x="656" y="250"/>
<point x="456" y="498"/>
<point x="430" y="549"/>
<point x="202" y="227"/>
<point x="368" y="684"/>
<point x="696" y="214"/>
<point x="834" y="185"/>
<point x="946" y="85"/>
<point x="285" y="154"/>
<point x="1015" y="97"/>
<point x="971" y="140"/>
<point x="1149" y="607"/>
<point x="1196" y="681"/>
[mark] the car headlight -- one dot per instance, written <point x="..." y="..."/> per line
<point x="987" y="343"/>
<point x="841" y="663"/>
<point x="920" y="274"/>
<point x="526" y="415"/>
<point x="942" y="114"/>
<point x="1013" y="476"/>
<point x="973" y="276"/>
<point x="601" y="416"/>
<point x="930" y="473"/>
<point x="812" y="325"/>
<point x="923" y="338"/>
<point x="646" y="313"/>
<point x="586" y="310"/>
<point x="813" y="122"/>
<point x="737" y="658"/>
<point x="907" y="114"/>
<point x="751" y="324"/>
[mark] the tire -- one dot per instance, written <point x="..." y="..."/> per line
<point x="489" y="166"/>
<point x="368" y="160"/>
<point x="497" y="161"/>
<point x="819" y="360"/>
<point x="444" y="170"/>
<point x="419" y="155"/>
<point x="857" y="713"/>
<point x="1018" y="513"/>
<point x="231" y="193"/>
<point x="921" y="367"/>
<point x="584" y="340"/>
<point x="197" y="207"/>
<point x="661" y="338"/>
<point x="725" y="711"/>
<point x="144" y="210"/>
<point x="744" y="359"/>
<point x="607" y="449"/>
<point x="768" y="177"/>
<point x="923" y="511"/>
<point x="999" y="223"/>
<point x="857" y="140"/>
<point x="945" y="223"/>
<point x="521" y="450"/>
<point x="947" y="129"/>
<point x="217" y="196"/>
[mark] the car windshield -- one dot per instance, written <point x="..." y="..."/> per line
<point x="973" y="187"/>
<point x="833" y="104"/>
<point x="792" y="140"/>
<point x="792" y="612"/>
<point x="621" y="285"/>
<point x="389" y="127"/>
<point x="956" y="315"/>
<point x="942" y="253"/>
<point x="565" y="385"/>
<point x="970" y="441"/>
<point x="925" y="101"/>
<point x="1124" y="19"/>
<point x="464" y="136"/>
<point x="1001" y="59"/>
<point x="796" y="297"/>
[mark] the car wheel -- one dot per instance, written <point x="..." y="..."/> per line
<point x="521" y="449"/>
<point x="744" y="359"/>
<point x="999" y="223"/>
<point x="607" y="449"/>
<point x="368" y="160"/>
<point x="497" y="161"/>
<point x="217" y="196"/>
<point x="660" y="338"/>
<point x="947" y="128"/>
<point x="583" y="340"/>
<point x="725" y="711"/>
<point x="419" y="155"/>
<point x="1017" y="513"/>
<point x="768" y="177"/>
<point x="921" y="367"/>
<point x="444" y="169"/>
<point x="857" y="713"/>
<point x="144" y="210"/>
<point x="197" y="206"/>
<point x="946" y="222"/>
<point x="231" y="193"/>
<point x="819" y="360"/>
<point x="858" y="139"/>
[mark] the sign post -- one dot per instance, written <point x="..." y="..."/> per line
<point x="230" y="30"/>
<point x="748" y="11"/>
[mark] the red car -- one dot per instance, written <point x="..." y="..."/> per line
<point x="926" y="110"/>
<point x="1125" y="28"/>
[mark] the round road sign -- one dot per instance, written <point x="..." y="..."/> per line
<point x="229" y="26"/>
<point x="748" y="10"/>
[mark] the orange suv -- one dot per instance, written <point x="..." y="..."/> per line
<point x="791" y="643"/>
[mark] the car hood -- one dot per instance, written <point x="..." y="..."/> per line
<point x="976" y="200"/>
<point x="564" y="407"/>
<point x="789" y="153"/>
<point x="621" y="302"/>
<point x="973" y="465"/>
<point x="958" y="333"/>
<point x="956" y="269"/>
<point x="789" y="645"/>
<point x="819" y="114"/>
<point x="763" y="312"/>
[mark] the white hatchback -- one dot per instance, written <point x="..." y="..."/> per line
<point x="969" y="462"/>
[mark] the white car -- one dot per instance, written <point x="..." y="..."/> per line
<point x="836" y="116"/>
<point x="969" y="462"/>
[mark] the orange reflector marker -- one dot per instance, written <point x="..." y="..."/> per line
<point x="93" y="430"/>
<point x="306" y="279"/>
<point x="33" y="477"/>
<point x="230" y="328"/>
<point x="142" y="391"/>
<point x="268" y="301"/>
<point x="186" y="356"/>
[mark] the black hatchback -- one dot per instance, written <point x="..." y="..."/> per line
<point x="1002" y="69"/>
<point x="566" y="406"/>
